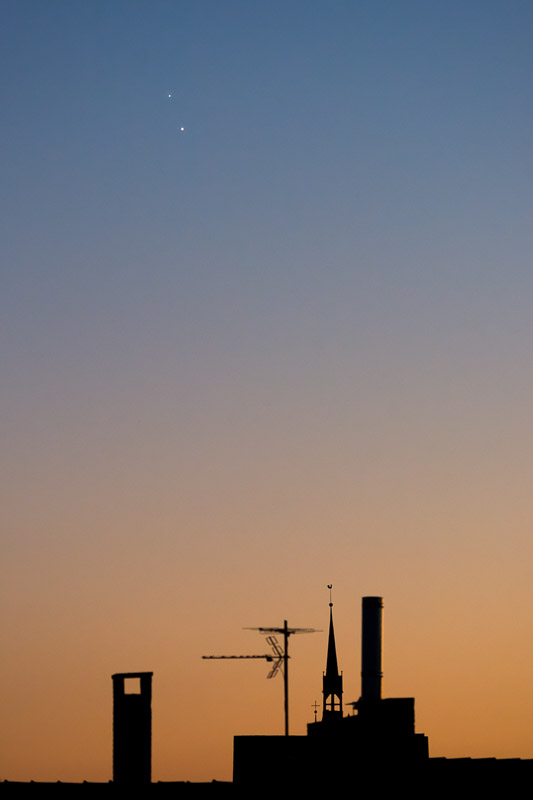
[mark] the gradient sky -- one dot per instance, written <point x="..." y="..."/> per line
<point x="287" y="346"/>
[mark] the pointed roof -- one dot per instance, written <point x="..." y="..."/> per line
<point x="331" y="680"/>
<point x="332" y="669"/>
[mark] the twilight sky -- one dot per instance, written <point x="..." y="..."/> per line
<point x="286" y="346"/>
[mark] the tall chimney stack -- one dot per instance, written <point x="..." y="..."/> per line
<point x="132" y="728"/>
<point x="371" y="649"/>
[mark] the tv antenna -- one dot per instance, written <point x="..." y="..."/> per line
<point x="280" y="657"/>
<point x="286" y="631"/>
<point x="276" y="657"/>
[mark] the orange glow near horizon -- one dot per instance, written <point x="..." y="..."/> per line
<point x="153" y="586"/>
<point x="456" y="655"/>
<point x="133" y="579"/>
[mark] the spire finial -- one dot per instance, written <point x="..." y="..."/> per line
<point x="330" y="587"/>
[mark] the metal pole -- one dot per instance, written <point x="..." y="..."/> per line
<point x="280" y="659"/>
<point x="286" y="674"/>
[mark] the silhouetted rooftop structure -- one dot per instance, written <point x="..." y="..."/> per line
<point x="376" y="747"/>
<point x="331" y="680"/>
<point x="379" y="732"/>
<point x="132" y="728"/>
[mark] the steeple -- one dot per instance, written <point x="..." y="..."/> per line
<point x="331" y="680"/>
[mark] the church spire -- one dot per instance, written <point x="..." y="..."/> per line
<point x="332" y="680"/>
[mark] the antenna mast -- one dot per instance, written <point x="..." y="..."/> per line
<point x="286" y="631"/>
<point x="280" y="657"/>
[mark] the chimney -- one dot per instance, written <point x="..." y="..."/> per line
<point x="371" y="649"/>
<point x="132" y="728"/>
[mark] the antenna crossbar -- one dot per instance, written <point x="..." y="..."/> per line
<point x="268" y="657"/>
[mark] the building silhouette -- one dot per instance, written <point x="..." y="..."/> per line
<point x="380" y="733"/>
<point x="374" y="750"/>
<point x="380" y="729"/>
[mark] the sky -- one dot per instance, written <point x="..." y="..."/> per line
<point x="266" y="325"/>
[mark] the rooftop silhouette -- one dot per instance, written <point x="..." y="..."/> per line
<point x="376" y="746"/>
